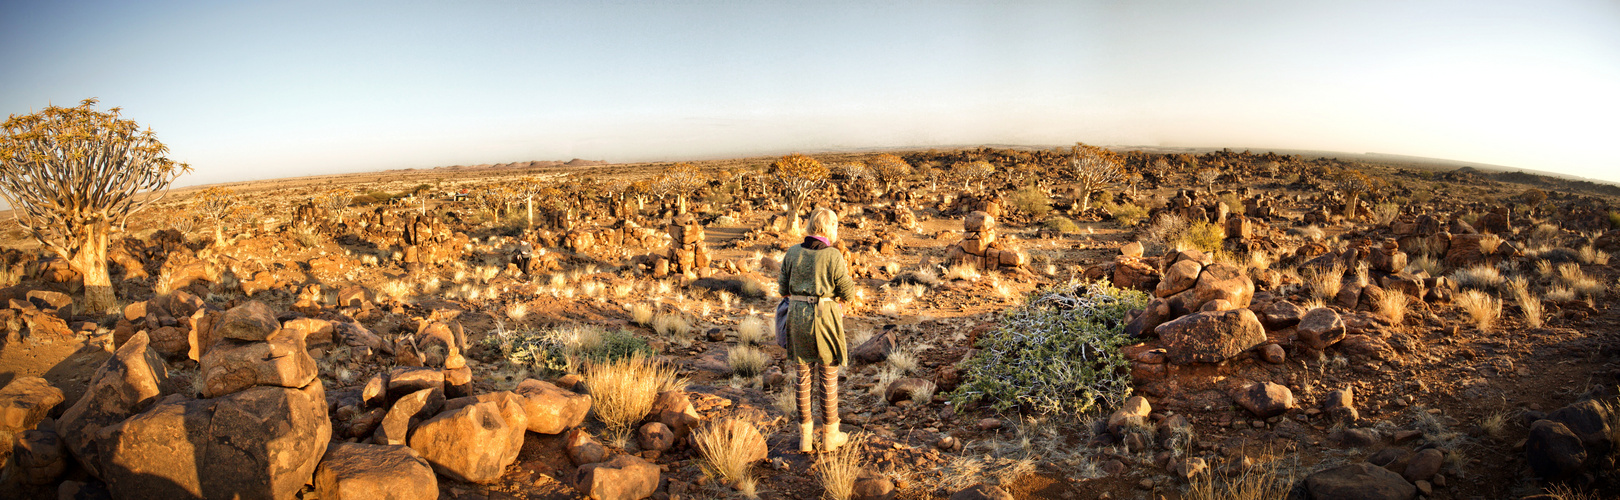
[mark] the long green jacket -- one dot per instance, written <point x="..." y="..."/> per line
<point x="816" y="331"/>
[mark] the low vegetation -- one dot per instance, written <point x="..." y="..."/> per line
<point x="623" y="390"/>
<point x="1057" y="353"/>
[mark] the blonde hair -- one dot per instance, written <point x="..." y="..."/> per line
<point x="824" y="223"/>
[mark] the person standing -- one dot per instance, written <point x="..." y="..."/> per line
<point x="813" y="275"/>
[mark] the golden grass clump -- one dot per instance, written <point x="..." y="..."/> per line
<point x="752" y="330"/>
<point x="1573" y="277"/>
<point x="746" y="361"/>
<point x="839" y="469"/>
<point x="1259" y="482"/>
<point x="730" y="447"/>
<point x="1593" y="256"/>
<point x="903" y="360"/>
<point x="1325" y="284"/>
<point x="674" y="325"/>
<point x="963" y="272"/>
<point x="1481" y="277"/>
<point x="623" y="390"/>
<point x="1528" y="303"/>
<point x="1391" y="305"/>
<point x="1481" y="308"/>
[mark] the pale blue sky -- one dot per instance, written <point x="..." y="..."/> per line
<point x="246" y="90"/>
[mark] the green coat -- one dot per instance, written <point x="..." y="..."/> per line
<point x="816" y="331"/>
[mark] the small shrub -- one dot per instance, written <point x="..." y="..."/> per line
<point x="1480" y="277"/>
<point x="1310" y="232"/>
<point x="903" y="360"/>
<point x="1614" y="220"/>
<point x="1481" y="308"/>
<point x="1128" y="214"/>
<point x="1561" y="294"/>
<point x="964" y="272"/>
<point x="671" y="325"/>
<point x="729" y="448"/>
<point x="1426" y="264"/>
<point x="1162" y="234"/>
<point x="1571" y="275"/>
<point x="838" y="470"/>
<point x="640" y="314"/>
<point x="752" y="330"/>
<point x="623" y="390"/>
<point x="1489" y="244"/>
<point x="1204" y="236"/>
<point x="1385" y="213"/>
<point x="1030" y="200"/>
<point x="746" y="361"/>
<point x="1061" y="224"/>
<point x="1056" y="353"/>
<point x="1545" y="234"/>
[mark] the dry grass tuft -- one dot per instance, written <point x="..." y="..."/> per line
<point x="1528" y="303"/>
<point x="746" y="361"/>
<point x="1571" y="275"/>
<point x="641" y="314"/>
<point x="1593" y="256"/>
<point x="1490" y="243"/>
<point x="1561" y="294"/>
<point x="903" y="360"/>
<point x="1325" y="284"/>
<point x="729" y="448"/>
<point x="839" y="469"/>
<point x="1481" y="308"/>
<point x="1480" y="277"/>
<point x="624" y="390"/>
<point x="1495" y="425"/>
<point x="1391" y="305"/>
<point x="752" y="330"/>
<point x="1260" y="482"/>
<point x="671" y="325"/>
<point x="1425" y="264"/>
<point x="963" y="272"/>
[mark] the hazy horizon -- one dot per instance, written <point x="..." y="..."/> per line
<point x="257" y="91"/>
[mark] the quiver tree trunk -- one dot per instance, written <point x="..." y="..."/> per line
<point x="90" y="260"/>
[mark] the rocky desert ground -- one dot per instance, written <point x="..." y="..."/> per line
<point x="1215" y="325"/>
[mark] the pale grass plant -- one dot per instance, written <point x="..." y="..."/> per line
<point x="641" y="314"/>
<point x="965" y="272"/>
<point x="1391" y="305"/>
<point x="1527" y="301"/>
<point x="838" y="470"/>
<point x="1592" y="256"/>
<point x="730" y="447"/>
<point x="746" y="361"/>
<point x="753" y="330"/>
<point x="1482" y="309"/>
<point x="1480" y="277"/>
<point x="1325" y="284"/>
<point x="623" y="391"/>
<point x="1571" y="275"/>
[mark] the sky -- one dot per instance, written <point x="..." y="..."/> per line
<point x="260" y="90"/>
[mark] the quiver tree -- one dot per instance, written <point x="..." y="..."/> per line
<point x="680" y="180"/>
<point x="800" y="176"/>
<point x="1093" y="169"/>
<point x="217" y="206"/>
<point x="889" y="170"/>
<point x="977" y="170"/>
<point x="75" y="175"/>
<point x="1353" y="184"/>
<point x="528" y="188"/>
<point x="1207" y="177"/>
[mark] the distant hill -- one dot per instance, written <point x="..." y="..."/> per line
<point x="576" y="162"/>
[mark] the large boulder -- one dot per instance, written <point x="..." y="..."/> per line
<point x="1358" y="481"/>
<point x="1210" y="336"/>
<point x="1180" y="277"/>
<point x="551" y="409"/>
<point x="1264" y="399"/>
<point x="1222" y="282"/>
<point x="468" y="444"/>
<point x="1320" y="328"/>
<point x="25" y="401"/>
<point x="1554" y="452"/>
<point x="354" y="471"/>
<point x="1589" y="420"/>
<point x="1281" y="314"/>
<point x="251" y="321"/>
<point x="280" y="360"/>
<point x="407" y="412"/>
<point x="623" y="478"/>
<point x="129" y="382"/>
<point x="512" y="409"/>
<point x="263" y="442"/>
<point x="39" y="457"/>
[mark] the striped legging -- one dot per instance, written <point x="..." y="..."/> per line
<point x="829" y="388"/>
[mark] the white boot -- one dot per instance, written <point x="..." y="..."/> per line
<point x="832" y="438"/>
<point x="807" y="437"/>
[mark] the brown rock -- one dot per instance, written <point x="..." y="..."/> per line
<point x="468" y="444"/>
<point x="25" y="401"/>
<point x="1222" y="281"/>
<point x="281" y="360"/>
<point x="583" y="449"/>
<point x="1264" y="399"/>
<point x="1180" y="277"/>
<point x="551" y="409"/>
<point x="129" y="382"/>
<point x="354" y="471"/>
<point x="511" y="406"/>
<point x="406" y="413"/>
<point x="1321" y="327"/>
<point x="655" y="436"/>
<point x="623" y="478"/>
<point x="1210" y="337"/>
<point x="1424" y="465"/>
<point x="39" y="457"/>
<point x="263" y="442"/>
<point x="250" y="321"/>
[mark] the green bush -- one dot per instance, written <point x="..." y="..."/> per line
<point x="1032" y="201"/>
<point x="1057" y="353"/>
<point x="562" y="349"/>
<point x="1204" y="236"/>
<point x="1061" y="224"/>
<point x="1128" y="214"/>
<point x="1614" y="220"/>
